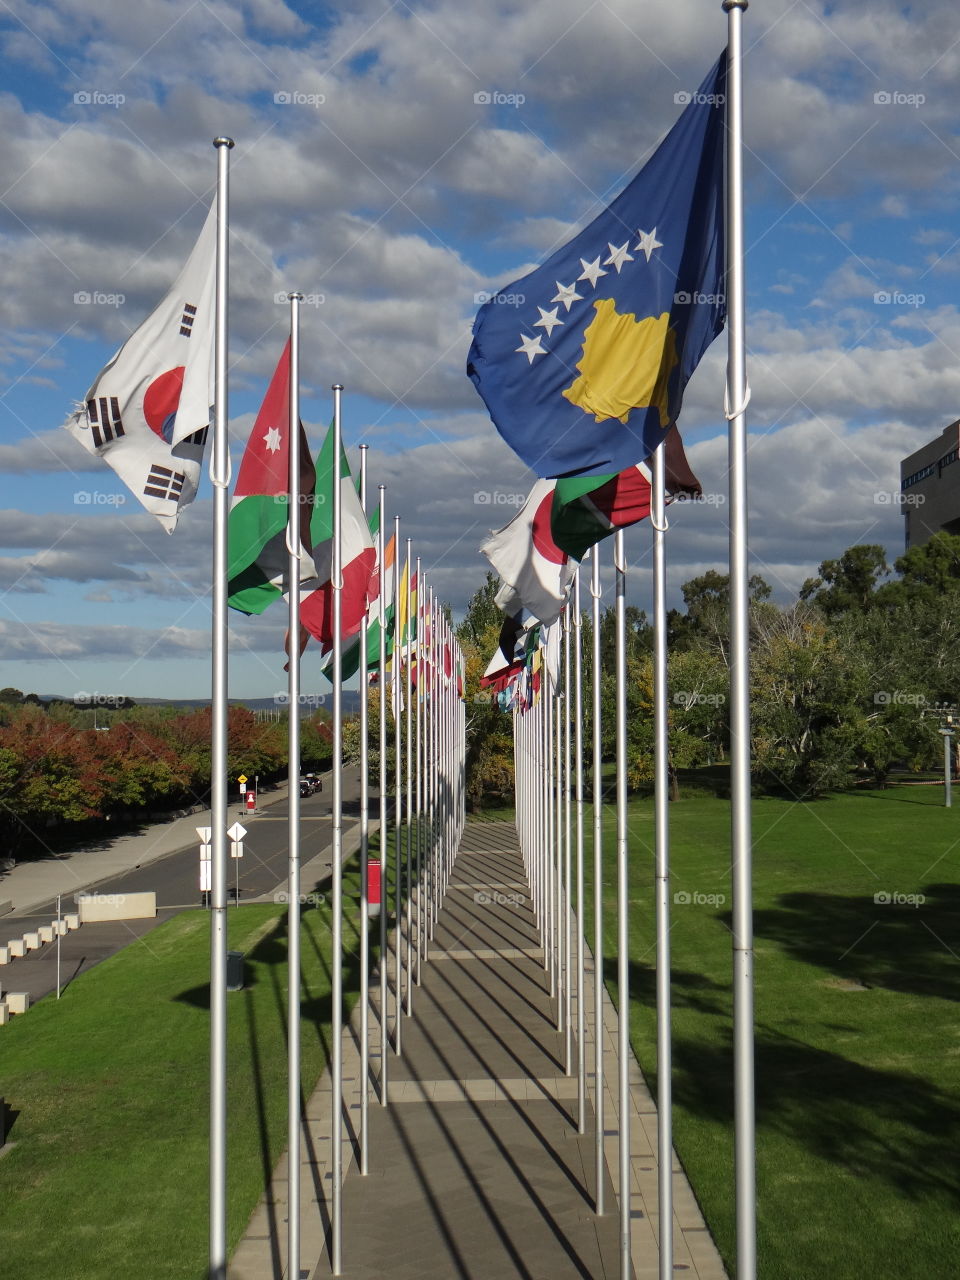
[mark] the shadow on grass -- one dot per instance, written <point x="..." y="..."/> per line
<point x="871" y="1123"/>
<point x="887" y="943"/>
<point x="883" y="1125"/>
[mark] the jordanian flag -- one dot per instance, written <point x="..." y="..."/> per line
<point x="257" y="528"/>
<point x="357" y="555"/>
<point x="588" y="508"/>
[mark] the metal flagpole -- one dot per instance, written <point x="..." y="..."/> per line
<point x="364" y="865"/>
<point x="220" y="477"/>
<point x="661" y="748"/>
<point x="382" y="672"/>
<point x="294" y="517"/>
<point x="623" y="900"/>
<point x="740" y="852"/>
<point x="408" y="689"/>
<point x="578" y="756"/>
<point x="398" y="796"/>
<point x="419" y="770"/>
<point x="336" y="577"/>
<point x="597" y="884"/>
<point x="558" y="876"/>
<point x="567" y="858"/>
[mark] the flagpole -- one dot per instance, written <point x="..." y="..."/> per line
<point x="661" y="749"/>
<point x="408" y="689"/>
<point x="336" y="577"/>
<point x="567" y="857"/>
<point x="740" y="851"/>
<point x="398" y="798"/>
<point x="382" y="671"/>
<point x="220" y="476"/>
<point x="364" y="866"/>
<point x="294" y="517"/>
<point x="419" y="754"/>
<point x="598" y="1108"/>
<point x="578" y="756"/>
<point x="623" y="899"/>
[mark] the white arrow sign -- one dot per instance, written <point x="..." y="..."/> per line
<point x="204" y="833"/>
<point x="237" y="832"/>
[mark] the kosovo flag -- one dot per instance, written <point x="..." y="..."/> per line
<point x="587" y="374"/>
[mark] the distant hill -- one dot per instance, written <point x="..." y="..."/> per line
<point x="351" y="702"/>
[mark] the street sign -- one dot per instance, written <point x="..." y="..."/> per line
<point x="205" y="852"/>
<point x="242" y="779"/>
<point x="236" y="849"/>
<point x="206" y="876"/>
<point x="237" y="832"/>
<point x="204" y="833"/>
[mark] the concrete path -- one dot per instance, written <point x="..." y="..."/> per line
<point x="476" y="1166"/>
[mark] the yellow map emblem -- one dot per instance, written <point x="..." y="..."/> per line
<point x="626" y="364"/>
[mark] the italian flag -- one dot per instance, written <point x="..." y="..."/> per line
<point x="257" y="526"/>
<point x="588" y="508"/>
<point x="351" y="653"/>
<point x="357" y="554"/>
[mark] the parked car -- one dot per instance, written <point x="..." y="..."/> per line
<point x="310" y="784"/>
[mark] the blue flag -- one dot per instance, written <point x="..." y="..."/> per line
<point x="586" y="375"/>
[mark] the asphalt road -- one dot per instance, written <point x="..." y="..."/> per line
<point x="175" y="880"/>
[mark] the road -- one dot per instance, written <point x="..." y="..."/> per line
<point x="175" y="880"/>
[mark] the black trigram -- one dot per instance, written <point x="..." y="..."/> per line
<point x="164" y="483"/>
<point x="103" y="415"/>
<point x="187" y="319"/>
<point x="196" y="437"/>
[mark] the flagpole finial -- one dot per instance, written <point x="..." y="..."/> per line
<point x="735" y="4"/>
<point x="337" y="386"/>
<point x="381" y="487"/>
<point x="223" y="142"/>
<point x="295" y="296"/>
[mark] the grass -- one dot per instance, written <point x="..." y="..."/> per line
<point x="108" y="1176"/>
<point x="857" y="1038"/>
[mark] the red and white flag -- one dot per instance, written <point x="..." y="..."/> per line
<point x="536" y="574"/>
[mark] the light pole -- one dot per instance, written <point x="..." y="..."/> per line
<point x="946" y="712"/>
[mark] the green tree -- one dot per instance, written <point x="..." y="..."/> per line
<point x="850" y="583"/>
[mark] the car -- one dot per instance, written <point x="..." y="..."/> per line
<point x="310" y="784"/>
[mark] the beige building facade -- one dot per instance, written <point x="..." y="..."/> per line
<point x="930" y="488"/>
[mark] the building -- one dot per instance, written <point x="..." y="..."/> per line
<point x="930" y="488"/>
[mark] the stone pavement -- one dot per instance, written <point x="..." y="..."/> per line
<point x="476" y="1169"/>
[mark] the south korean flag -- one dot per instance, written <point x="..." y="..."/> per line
<point x="148" y="413"/>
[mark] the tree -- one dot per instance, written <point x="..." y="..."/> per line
<point x="850" y="583"/>
<point x="489" y="731"/>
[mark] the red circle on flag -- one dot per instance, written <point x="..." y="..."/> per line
<point x="542" y="534"/>
<point x="160" y="402"/>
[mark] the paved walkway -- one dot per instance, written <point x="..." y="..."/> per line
<point x="476" y="1167"/>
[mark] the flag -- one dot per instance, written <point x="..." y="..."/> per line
<point x="350" y="658"/>
<point x="588" y="508"/>
<point x="258" y="558"/>
<point x="148" y="412"/>
<point x="587" y="374"/>
<point x="357" y="555"/>
<point x="509" y="656"/>
<point x="536" y="574"/>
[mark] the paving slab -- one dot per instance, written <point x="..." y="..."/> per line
<point x="476" y="1168"/>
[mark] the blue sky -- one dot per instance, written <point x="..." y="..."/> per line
<point x="372" y="172"/>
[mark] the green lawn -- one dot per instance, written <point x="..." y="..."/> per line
<point x="108" y="1175"/>
<point x="858" y="1039"/>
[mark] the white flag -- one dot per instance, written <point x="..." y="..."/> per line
<point x="148" y="412"/>
<point x="536" y="573"/>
